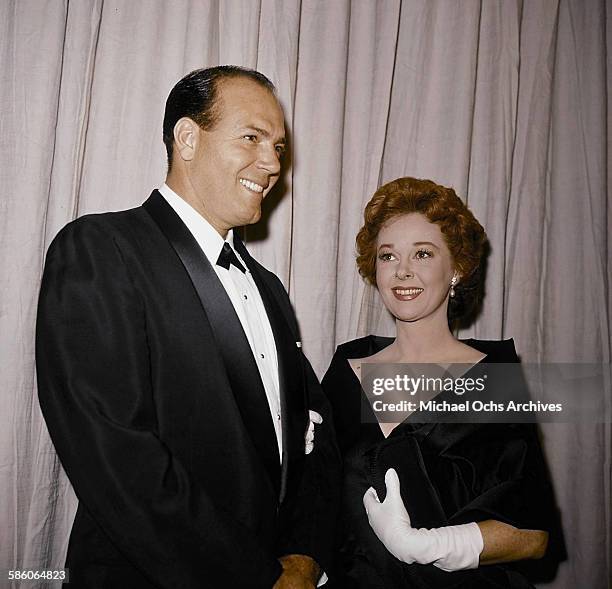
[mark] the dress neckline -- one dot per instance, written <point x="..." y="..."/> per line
<point x="376" y="340"/>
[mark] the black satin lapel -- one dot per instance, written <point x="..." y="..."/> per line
<point x="240" y="366"/>
<point x="292" y="399"/>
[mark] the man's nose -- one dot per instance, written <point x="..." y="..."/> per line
<point x="268" y="159"/>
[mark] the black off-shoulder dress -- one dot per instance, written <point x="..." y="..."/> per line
<point x="450" y="473"/>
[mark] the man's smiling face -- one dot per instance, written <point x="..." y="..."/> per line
<point x="237" y="162"/>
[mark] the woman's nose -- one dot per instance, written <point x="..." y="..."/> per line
<point x="403" y="272"/>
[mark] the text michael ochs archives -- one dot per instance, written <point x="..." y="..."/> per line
<point x="443" y="406"/>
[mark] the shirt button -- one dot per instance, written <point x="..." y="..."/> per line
<point x="262" y="355"/>
<point x="278" y="416"/>
<point x="245" y="297"/>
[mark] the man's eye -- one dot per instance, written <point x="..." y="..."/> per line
<point x="251" y="138"/>
<point x="423" y="254"/>
<point x="280" y="150"/>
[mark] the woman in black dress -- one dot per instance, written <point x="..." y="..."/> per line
<point x="430" y="504"/>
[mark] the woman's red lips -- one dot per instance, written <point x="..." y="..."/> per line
<point x="406" y="293"/>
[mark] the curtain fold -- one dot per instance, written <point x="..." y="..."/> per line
<point x="508" y="102"/>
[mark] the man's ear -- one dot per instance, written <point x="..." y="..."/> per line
<point x="186" y="133"/>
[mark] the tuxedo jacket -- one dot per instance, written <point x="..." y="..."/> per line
<point x="159" y="416"/>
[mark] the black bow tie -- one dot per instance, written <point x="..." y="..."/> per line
<point x="228" y="256"/>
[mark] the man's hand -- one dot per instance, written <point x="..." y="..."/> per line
<point x="450" y="548"/>
<point x="314" y="417"/>
<point x="299" y="572"/>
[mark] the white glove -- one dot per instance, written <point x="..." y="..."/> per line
<point x="314" y="417"/>
<point x="450" y="548"/>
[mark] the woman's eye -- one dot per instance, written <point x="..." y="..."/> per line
<point x="385" y="256"/>
<point x="423" y="254"/>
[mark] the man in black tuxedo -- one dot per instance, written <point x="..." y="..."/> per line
<point x="170" y="371"/>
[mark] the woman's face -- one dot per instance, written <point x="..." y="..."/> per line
<point x="414" y="268"/>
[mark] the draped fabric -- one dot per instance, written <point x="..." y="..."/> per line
<point x="506" y="101"/>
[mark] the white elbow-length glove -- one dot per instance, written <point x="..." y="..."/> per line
<point x="450" y="548"/>
<point x="313" y="417"/>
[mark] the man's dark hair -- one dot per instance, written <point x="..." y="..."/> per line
<point x="195" y="96"/>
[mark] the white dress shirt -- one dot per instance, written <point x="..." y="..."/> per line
<point x="245" y="297"/>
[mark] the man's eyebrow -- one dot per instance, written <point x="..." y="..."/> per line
<point x="264" y="133"/>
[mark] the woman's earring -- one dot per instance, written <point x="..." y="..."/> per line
<point x="451" y="294"/>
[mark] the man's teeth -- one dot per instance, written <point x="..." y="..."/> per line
<point x="251" y="185"/>
<point x="408" y="291"/>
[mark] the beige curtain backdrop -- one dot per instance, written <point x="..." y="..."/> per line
<point x="508" y="101"/>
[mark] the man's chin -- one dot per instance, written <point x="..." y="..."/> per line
<point x="255" y="217"/>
